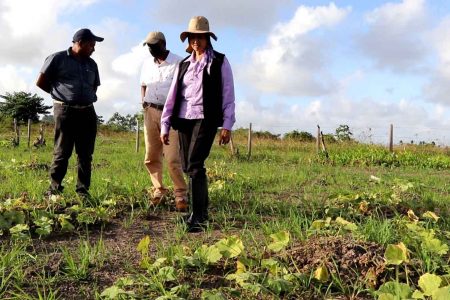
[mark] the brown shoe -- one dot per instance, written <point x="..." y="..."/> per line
<point x="181" y="204"/>
<point x="156" y="200"/>
<point x="158" y="197"/>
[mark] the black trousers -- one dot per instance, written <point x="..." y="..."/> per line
<point x="196" y="139"/>
<point x="74" y="127"/>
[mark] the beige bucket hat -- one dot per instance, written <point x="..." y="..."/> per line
<point x="198" y="24"/>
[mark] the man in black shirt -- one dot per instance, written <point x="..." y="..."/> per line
<point x="71" y="77"/>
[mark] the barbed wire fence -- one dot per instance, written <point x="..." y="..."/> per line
<point x="374" y="134"/>
<point x="388" y="135"/>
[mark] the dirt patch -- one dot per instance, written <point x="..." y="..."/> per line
<point x="343" y="256"/>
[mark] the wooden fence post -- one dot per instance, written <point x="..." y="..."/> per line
<point x="318" y="139"/>
<point x="29" y="132"/>
<point x="40" y="141"/>
<point x="249" y="143"/>
<point x="137" y="135"/>
<point x="324" y="148"/>
<point x="16" y="132"/>
<point x="233" y="151"/>
<point x="391" y="138"/>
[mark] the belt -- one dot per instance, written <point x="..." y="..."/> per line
<point x="157" y="106"/>
<point x="72" y="105"/>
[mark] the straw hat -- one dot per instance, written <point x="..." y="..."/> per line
<point x="197" y="24"/>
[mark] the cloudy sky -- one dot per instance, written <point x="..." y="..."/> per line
<point x="296" y="64"/>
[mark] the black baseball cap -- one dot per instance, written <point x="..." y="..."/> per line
<point x="85" y="35"/>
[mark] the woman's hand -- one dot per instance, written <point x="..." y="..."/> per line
<point x="225" y="136"/>
<point x="165" y="139"/>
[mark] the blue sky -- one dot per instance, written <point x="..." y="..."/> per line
<point x="296" y="63"/>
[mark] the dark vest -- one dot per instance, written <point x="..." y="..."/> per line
<point x="212" y="92"/>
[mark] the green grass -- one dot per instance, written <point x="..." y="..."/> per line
<point x="284" y="186"/>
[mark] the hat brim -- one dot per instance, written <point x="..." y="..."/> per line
<point x="98" y="39"/>
<point x="92" y="38"/>
<point x="150" y="42"/>
<point x="185" y="34"/>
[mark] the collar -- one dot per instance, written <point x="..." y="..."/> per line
<point x="208" y="56"/>
<point x="69" y="53"/>
<point x="170" y="59"/>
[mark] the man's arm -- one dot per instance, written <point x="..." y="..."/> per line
<point x="43" y="83"/>
<point x="143" y="89"/>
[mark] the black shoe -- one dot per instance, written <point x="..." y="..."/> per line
<point x="83" y="194"/>
<point x="186" y="218"/>
<point x="196" y="226"/>
<point x="52" y="191"/>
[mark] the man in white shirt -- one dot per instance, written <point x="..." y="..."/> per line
<point x="156" y="77"/>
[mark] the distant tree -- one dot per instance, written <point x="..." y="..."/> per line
<point x="124" y="123"/>
<point x="266" y="135"/>
<point x="48" y="119"/>
<point x="100" y="120"/>
<point x="23" y="106"/>
<point x="343" y="133"/>
<point x="329" y="138"/>
<point x="302" y="136"/>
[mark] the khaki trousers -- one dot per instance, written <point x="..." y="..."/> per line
<point x="155" y="150"/>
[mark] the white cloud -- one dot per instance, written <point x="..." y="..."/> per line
<point x="292" y="62"/>
<point x="11" y="79"/>
<point x="119" y="72"/>
<point x="368" y="119"/>
<point x="438" y="88"/>
<point x="32" y="30"/>
<point x="395" y="39"/>
<point x="248" y="15"/>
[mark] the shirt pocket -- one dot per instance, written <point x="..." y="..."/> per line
<point x="89" y="76"/>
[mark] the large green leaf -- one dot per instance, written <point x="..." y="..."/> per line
<point x="435" y="246"/>
<point x="112" y="292"/>
<point x="430" y="215"/>
<point x="167" y="274"/>
<point x="279" y="285"/>
<point x="396" y="254"/>
<point x="279" y="241"/>
<point x="230" y="247"/>
<point x="321" y="274"/>
<point x="442" y="293"/>
<point x="418" y="295"/>
<point x="346" y="224"/>
<point x="386" y="296"/>
<point x="271" y="264"/>
<point x="400" y="290"/>
<point x="319" y="224"/>
<point x="429" y="283"/>
<point x="64" y="221"/>
<point x="207" y="255"/>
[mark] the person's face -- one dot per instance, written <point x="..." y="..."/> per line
<point x="157" y="50"/>
<point x="86" y="48"/>
<point x="198" y="41"/>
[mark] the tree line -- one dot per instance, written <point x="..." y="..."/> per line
<point x="24" y="106"/>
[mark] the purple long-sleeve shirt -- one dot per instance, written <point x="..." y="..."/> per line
<point x="191" y="106"/>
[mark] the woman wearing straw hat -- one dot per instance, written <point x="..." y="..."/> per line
<point x="200" y="99"/>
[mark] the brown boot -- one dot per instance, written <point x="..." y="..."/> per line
<point x="158" y="197"/>
<point x="181" y="204"/>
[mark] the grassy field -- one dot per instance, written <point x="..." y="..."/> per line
<point x="286" y="223"/>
